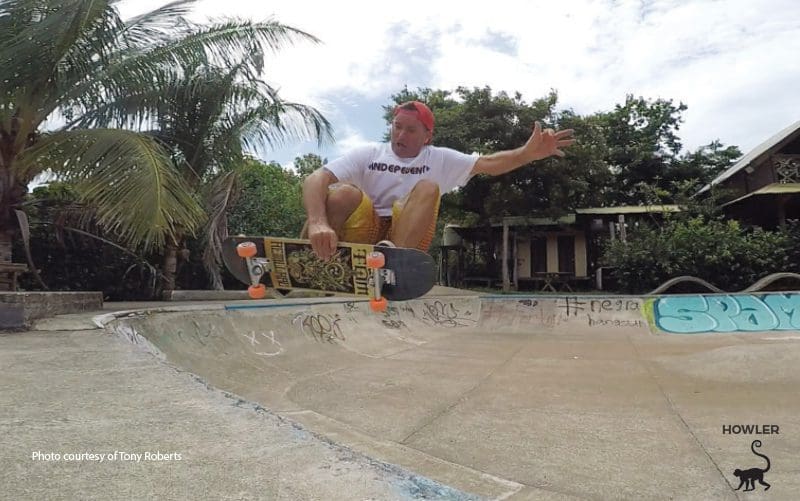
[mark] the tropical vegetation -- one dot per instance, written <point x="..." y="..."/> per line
<point x="148" y="132"/>
<point x="144" y="118"/>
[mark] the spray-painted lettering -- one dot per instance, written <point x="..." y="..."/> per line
<point x="728" y="313"/>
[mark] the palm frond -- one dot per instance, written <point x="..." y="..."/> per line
<point x="58" y="42"/>
<point x="141" y="66"/>
<point x="158" y="24"/>
<point x="272" y="124"/>
<point x="136" y="108"/>
<point x="128" y="178"/>
<point x="221" y="42"/>
<point x="53" y="48"/>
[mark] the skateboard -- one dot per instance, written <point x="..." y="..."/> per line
<point x="375" y="272"/>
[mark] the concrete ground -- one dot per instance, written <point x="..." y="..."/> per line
<point x="448" y="397"/>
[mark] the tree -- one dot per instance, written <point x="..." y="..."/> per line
<point x="75" y="62"/>
<point x="269" y="203"/>
<point x="643" y="148"/>
<point x="704" y="164"/>
<point x="208" y="116"/>
<point x="620" y="157"/>
<point x="308" y="163"/>
<point x="74" y="256"/>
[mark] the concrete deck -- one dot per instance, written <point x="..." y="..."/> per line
<point x="448" y="397"/>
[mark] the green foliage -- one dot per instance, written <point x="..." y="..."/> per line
<point x="213" y="116"/>
<point x="198" y="86"/>
<point x="270" y="202"/>
<point x="720" y="252"/>
<point x="620" y="157"/>
<point x="308" y="163"/>
<point x="642" y="146"/>
<point x="792" y="232"/>
<point x="70" y="259"/>
<point x="704" y="164"/>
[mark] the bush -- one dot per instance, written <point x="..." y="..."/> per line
<point x="720" y="252"/>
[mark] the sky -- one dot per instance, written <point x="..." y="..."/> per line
<point x="734" y="63"/>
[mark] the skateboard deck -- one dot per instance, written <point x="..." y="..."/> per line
<point x="291" y="264"/>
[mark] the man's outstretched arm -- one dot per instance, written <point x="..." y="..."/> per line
<point x="541" y="144"/>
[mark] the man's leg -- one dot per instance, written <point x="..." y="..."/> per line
<point x="414" y="217"/>
<point x="350" y="214"/>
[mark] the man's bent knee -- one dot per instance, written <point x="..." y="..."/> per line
<point x="344" y="196"/>
<point x="342" y="201"/>
<point x="425" y="189"/>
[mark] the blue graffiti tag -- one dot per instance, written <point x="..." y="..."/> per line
<point x="720" y="313"/>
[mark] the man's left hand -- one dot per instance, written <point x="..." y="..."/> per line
<point x="546" y="143"/>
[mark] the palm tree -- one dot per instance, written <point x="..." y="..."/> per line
<point x="210" y="116"/>
<point x="75" y="63"/>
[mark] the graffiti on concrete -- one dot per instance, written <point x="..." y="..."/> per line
<point x="571" y="305"/>
<point x="554" y="311"/>
<point x="201" y="333"/>
<point x="612" y="305"/>
<point x="727" y="313"/>
<point x="408" y="309"/>
<point x="446" y="314"/>
<point x="614" y="322"/>
<point x="394" y="324"/>
<point x="271" y="345"/>
<point x="321" y="327"/>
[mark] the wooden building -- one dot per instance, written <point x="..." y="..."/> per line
<point x="537" y="253"/>
<point x="555" y="254"/>
<point x="765" y="183"/>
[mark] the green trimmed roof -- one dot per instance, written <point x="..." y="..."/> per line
<point x="569" y="219"/>
<point x="770" y="189"/>
<point x="629" y="209"/>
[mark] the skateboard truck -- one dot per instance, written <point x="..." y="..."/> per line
<point x="256" y="267"/>
<point x="380" y="275"/>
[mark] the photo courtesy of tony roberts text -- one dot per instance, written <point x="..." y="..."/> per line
<point x="100" y="457"/>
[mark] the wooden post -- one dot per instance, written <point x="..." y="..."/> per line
<point x="622" y="233"/>
<point x="515" y="261"/>
<point x="506" y="282"/>
<point x="443" y="266"/>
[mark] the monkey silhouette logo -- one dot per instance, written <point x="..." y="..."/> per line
<point x="748" y="477"/>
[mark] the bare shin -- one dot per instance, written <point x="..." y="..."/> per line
<point x="417" y="215"/>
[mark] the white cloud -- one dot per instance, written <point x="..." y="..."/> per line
<point x="733" y="62"/>
<point x="351" y="139"/>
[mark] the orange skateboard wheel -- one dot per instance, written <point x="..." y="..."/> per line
<point x="246" y="249"/>
<point x="376" y="260"/>
<point x="257" y="291"/>
<point x="379" y="304"/>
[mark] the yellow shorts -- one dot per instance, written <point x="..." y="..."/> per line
<point x="365" y="226"/>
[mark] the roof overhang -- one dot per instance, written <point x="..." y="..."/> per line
<point x="571" y="219"/>
<point x="758" y="154"/>
<point x="629" y="209"/>
<point x="770" y="189"/>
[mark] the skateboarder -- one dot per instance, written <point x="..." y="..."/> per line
<point x="391" y="191"/>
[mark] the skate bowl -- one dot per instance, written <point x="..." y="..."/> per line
<point x="516" y="397"/>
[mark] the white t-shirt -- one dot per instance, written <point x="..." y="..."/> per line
<point x="385" y="177"/>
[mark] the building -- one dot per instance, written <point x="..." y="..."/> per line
<point x="763" y="189"/>
<point x="764" y="186"/>
<point x="537" y="253"/>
